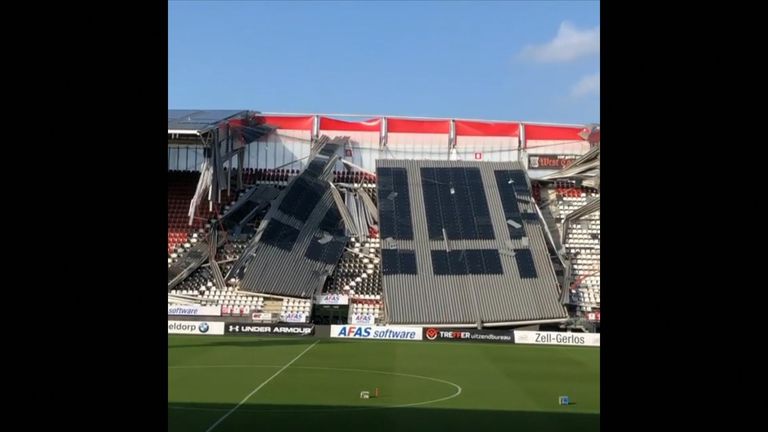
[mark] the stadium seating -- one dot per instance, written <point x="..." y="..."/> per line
<point x="368" y="305"/>
<point x="357" y="274"/>
<point x="368" y="180"/>
<point x="296" y="306"/>
<point x="582" y="245"/>
<point x="253" y="176"/>
<point x="207" y="295"/>
<point x="181" y="189"/>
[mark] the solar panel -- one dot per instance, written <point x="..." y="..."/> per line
<point x="398" y="261"/>
<point x="516" y="228"/>
<point x="332" y="222"/>
<point x="407" y="262"/>
<point x="328" y="243"/>
<point x="318" y="164"/>
<point x="394" y="204"/>
<point x="403" y="226"/>
<point x="329" y="149"/>
<point x="474" y="261"/>
<point x="492" y="261"/>
<point x="316" y="167"/>
<point x="514" y="178"/>
<point x="386" y="206"/>
<point x="440" y="262"/>
<point x="479" y="204"/>
<point x="432" y="203"/>
<point x="509" y="185"/>
<point x="389" y="261"/>
<point x="328" y="253"/>
<point x="280" y="235"/>
<point x="302" y="198"/>
<point x="525" y="265"/>
<point x="457" y="263"/>
<point x="463" y="262"/>
<point x="455" y="201"/>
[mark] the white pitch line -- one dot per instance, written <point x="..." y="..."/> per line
<point x="259" y="387"/>
<point x="222" y="366"/>
<point x="413" y="404"/>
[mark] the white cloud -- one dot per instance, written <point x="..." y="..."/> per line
<point x="569" y="44"/>
<point x="589" y="84"/>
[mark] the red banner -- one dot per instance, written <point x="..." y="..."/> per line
<point x="372" y="125"/>
<point x="553" y="133"/>
<point x="478" y="128"/>
<point x="418" y="126"/>
<point x="288" y="122"/>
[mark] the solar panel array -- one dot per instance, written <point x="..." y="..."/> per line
<point x="394" y="204"/>
<point x="510" y="184"/>
<point x="455" y="203"/>
<point x="398" y="262"/>
<point x="525" y="265"/>
<point x="467" y="261"/>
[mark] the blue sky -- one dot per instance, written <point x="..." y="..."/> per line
<point x="532" y="61"/>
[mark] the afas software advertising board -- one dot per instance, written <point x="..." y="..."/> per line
<point x="194" y="310"/>
<point x="376" y="332"/>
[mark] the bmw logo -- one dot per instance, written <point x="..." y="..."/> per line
<point x="203" y="327"/>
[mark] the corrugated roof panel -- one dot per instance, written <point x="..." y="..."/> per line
<point x="427" y="298"/>
<point x="296" y="259"/>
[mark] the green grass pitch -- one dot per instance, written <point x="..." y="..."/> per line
<point x="424" y="386"/>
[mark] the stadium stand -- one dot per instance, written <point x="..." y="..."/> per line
<point x="581" y="242"/>
<point x="181" y="189"/>
<point x="407" y="241"/>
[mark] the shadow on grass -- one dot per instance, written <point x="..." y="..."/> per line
<point x="246" y="341"/>
<point x="191" y="417"/>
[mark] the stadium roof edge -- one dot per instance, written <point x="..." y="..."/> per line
<point x="428" y="118"/>
<point x="197" y="122"/>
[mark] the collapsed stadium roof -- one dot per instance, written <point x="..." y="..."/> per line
<point x="463" y="245"/>
<point x="303" y="234"/>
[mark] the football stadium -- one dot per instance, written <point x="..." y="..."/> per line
<point x="330" y="272"/>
